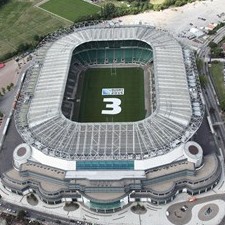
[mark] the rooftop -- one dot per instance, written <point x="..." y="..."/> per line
<point x="49" y="131"/>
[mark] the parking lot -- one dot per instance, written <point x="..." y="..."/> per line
<point x="178" y="21"/>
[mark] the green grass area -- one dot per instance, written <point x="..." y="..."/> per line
<point x="20" y="21"/>
<point x="132" y="102"/>
<point x="115" y="2"/>
<point x="199" y="63"/>
<point x="216" y="70"/>
<point x="157" y="2"/>
<point x="70" y="9"/>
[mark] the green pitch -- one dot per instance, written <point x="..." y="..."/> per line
<point x="216" y="70"/>
<point x="70" y="9"/>
<point x="132" y="102"/>
<point x="20" y="21"/>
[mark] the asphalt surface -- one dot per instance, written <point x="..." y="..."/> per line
<point x="209" y="93"/>
<point x="12" y="139"/>
<point x="178" y="217"/>
<point x="205" y="138"/>
<point x="211" y="102"/>
<point x="34" y="215"/>
<point x="6" y="103"/>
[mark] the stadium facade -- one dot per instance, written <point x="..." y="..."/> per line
<point x="109" y="164"/>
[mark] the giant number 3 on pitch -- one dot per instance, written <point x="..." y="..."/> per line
<point x="113" y="106"/>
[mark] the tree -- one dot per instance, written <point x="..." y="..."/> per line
<point x="157" y="7"/>
<point x="217" y="52"/>
<point x="3" y="2"/>
<point x="211" y="110"/>
<point x="109" y="10"/>
<point x="24" y="47"/>
<point x="180" y="3"/>
<point x="212" y="44"/>
<point x="8" y="88"/>
<point x="211" y="32"/>
<point x="21" y="214"/>
<point x="146" y="6"/>
<point x="168" y="3"/>
<point x="203" y="80"/>
<point x="35" y="223"/>
<point x="36" y="37"/>
<point x="3" y="90"/>
<point x="222" y="102"/>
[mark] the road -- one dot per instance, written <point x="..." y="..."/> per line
<point x="209" y="94"/>
<point x="177" y="217"/>
<point x="11" y="139"/>
<point x="204" y="51"/>
<point x="34" y="215"/>
<point x="213" y="110"/>
<point x="6" y="102"/>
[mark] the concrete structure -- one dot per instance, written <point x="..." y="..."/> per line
<point x="196" y="32"/>
<point x="21" y="154"/>
<point x="194" y="153"/>
<point x="108" y="165"/>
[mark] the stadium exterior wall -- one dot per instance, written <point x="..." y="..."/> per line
<point x="145" y="164"/>
<point x="149" y="189"/>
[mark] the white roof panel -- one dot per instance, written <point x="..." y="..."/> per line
<point x="65" y="138"/>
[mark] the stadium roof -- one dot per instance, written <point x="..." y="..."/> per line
<point x="56" y="135"/>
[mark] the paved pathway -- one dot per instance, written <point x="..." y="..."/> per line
<point x="195" y="211"/>
<point x="9" y="74"/>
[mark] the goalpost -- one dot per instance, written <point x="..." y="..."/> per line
<point x="113" y="70"/>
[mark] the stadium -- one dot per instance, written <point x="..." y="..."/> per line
<point x="107" y="115"/>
